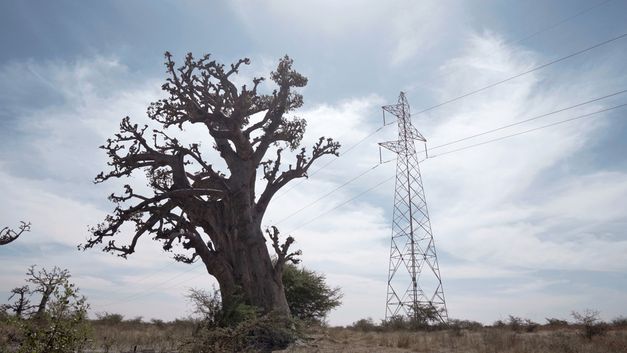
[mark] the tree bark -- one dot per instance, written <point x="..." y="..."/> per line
<point x="244" y="125"/>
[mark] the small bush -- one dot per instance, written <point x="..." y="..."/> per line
<point x="515" y="323"/>
<point x="308" y="295"/>
<point x="456" y="326"/>
<point x="135" y="321"/>
<point x="590" y="322"/>
<point x="364" y="325"/>
<point x="553" y="322"/>
<point x="263" y="334"/>
<point x="530" y="326"/>
<point x="109" y="318"/>
<point x="499" y="324"/>
<point x="518" y="324"/>
<point x="63" y="327"/>
<point x="620" y="322"/>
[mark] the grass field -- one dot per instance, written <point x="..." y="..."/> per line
<point x="168" y="337"/>
<point x="484" y="340"/>
<point x="160" y="337"/>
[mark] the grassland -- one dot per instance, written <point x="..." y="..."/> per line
<point x="171" y="337"/>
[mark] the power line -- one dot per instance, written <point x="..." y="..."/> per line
<point x="138" y="295"/>
<point x="529" y="119"/>
<point x="159" y="285"/>
<point x="469" y="137"/>
<point x="530" y="130"/>
<point x="536" y="68"/>
<point x="344" y="203"/>
<point x="541" y="30"/>
<point x="475" y="91"/>
<point x="463" y="148"/>
<point x="329" y="193"/>
<point x="467" y="147"/>
<point x="560" y="22"/>
<point x="351" y="147"/>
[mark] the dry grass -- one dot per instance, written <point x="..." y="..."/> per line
<point x="487" y="340"/>
<point x="169" y="337"/>
<point x="147" y="337"/>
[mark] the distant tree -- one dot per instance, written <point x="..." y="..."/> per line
<point x="109" y="318"/>
<point x="214" y="215"/>
<point x="555" y="322"/>
<point x="46" y="282"/>
<point x="62" y="327"/>
<point x="308" y="295"/>
<point x="21" y="304"/>
<point x="8" y="235"/>
<point x="590" y="323"/>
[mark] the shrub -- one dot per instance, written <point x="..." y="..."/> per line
<point x="364" y="325"/>
<point x="307" y="294"/>
<point x="518" y="324"/>
<point x="456" y="324"/>
<point x="62" y="328"/>
<point x="515" y="323"/>
<point x="499" y="324"/>
<point x="109" y="318"/>
<point x="236" y="328"/>
<point x="261" y="334"/>
<point x="556" y="322"/>
<point x="589" y="320"/>
<point x="620" y="322"/>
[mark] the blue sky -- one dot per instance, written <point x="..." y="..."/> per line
<point x="533" y="225"/>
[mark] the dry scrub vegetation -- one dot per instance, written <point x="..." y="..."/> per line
<point x="111" y="334"/>
<point x="482" y="340"/>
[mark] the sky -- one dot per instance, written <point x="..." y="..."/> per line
<point x="532" y="225"/>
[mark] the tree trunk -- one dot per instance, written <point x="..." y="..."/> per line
<point x="245" y="271"/>
<point x="45" y="296"/>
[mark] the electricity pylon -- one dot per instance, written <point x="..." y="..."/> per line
<point x="414" y="284"/>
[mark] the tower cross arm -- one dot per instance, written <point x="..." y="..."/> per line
<point x="416" y="135"/>
<point x="394" y="146"/>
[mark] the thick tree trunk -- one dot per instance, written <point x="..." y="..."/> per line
<point x="246" y="272"/>
<point x="251" y="279"/>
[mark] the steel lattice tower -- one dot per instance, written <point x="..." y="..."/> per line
<point x="414" y="282"/>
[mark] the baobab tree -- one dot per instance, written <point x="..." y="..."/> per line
<point x="21" y="305"/>
<point x="8" y="235"/>
<point x="213" y="215"/>
<point x="45" y="282"/>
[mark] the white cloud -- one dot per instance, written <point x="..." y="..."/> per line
<point x="496" y="211"/>
<point x="401" y="28"/>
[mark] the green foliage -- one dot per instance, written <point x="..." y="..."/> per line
<point x="109" y="318"/>
<point x="209" y="306"/>
<point x="135" y="321"/>
<point x="308" y="295"/>
<point x="63" y="328"/>
<point x="554" y="322"/>
<point x="364" y="325"/>
<point x="241" y="327"/>
<point x="456" y="324"/>
<point x="260" y="334"/>
<point x="424" y="317"/>
<point x="237" y="328"/>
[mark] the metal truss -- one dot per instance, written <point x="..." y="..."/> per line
<point x="414" y="282"/>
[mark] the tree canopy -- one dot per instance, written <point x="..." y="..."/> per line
<point x="215" y="215"/>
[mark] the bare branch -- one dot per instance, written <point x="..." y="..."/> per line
<point x="8" y="235"/>
<point x="303" y="162"/>
<point x="282" y="250"/>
